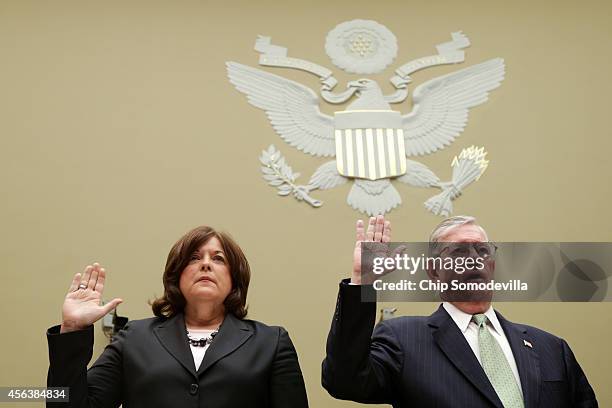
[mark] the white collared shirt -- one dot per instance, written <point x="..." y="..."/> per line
<point x="470" y="332"/>
<point x="198" y="352"/>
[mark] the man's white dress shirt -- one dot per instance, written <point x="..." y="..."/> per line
<point x="470" y="331"/>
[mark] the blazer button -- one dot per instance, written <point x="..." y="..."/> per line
<point x="193" y="390"/>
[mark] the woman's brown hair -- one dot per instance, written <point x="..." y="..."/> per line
<point x="173" y="301"/>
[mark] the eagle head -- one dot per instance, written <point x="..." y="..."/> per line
<point x="362" y="84"/>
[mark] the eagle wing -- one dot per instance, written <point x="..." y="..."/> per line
<point x="441" y="105"/>
<point x="292" y="108"/>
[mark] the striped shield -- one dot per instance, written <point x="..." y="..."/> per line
<point x="369" y="144"/>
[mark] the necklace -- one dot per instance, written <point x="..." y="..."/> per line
<point x="203" y="341"/>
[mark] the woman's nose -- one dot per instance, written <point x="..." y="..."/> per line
<point x="205" y="265"/>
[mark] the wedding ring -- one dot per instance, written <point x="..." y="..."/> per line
<point x="82" y="286"/>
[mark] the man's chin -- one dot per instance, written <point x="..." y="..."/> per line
<point x="469" y="295"/>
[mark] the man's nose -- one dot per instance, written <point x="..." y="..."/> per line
<point x="473" y="251"/>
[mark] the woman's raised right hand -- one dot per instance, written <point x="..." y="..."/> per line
<point x="82" y="303"/>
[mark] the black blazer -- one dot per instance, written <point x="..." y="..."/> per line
<point x="149" y="364"/>
<point x="427" y="362"/>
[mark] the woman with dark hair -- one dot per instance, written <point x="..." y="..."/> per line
<point x="199" y="351"/>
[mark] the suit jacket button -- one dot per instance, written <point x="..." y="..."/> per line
<point x="193" y="390"/>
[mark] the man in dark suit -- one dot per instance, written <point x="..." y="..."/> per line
<point x="464" y="355"/>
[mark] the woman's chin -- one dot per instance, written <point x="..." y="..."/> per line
<point x="207" y="289"/>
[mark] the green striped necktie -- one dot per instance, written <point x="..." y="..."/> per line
<point x="496" y="366"/>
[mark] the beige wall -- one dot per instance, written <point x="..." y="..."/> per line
<point x="120" y="132"/>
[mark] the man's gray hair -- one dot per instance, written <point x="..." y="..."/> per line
<point x="452" y="222"/>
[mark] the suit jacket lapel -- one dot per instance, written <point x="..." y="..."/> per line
<point x="173" y="337"/>
<point x="454" y="345"/>
<point x="232" y="334"/>
<point x="527" y="360"/>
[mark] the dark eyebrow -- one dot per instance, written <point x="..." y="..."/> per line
<point x="199" y="252"/>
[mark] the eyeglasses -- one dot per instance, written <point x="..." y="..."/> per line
<point x="483" y="250"/>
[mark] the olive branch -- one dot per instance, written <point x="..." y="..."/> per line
<point x="280" y="175"/>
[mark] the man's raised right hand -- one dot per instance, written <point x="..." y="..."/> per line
<point x="378" y="230"/>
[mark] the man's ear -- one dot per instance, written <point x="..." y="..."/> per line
<point x="432" y="273"/>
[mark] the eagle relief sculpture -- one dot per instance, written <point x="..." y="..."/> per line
<point x="371" y="142"/>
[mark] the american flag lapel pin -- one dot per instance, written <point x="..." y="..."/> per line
<point x="528" y="344"/>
